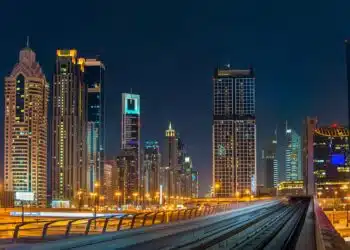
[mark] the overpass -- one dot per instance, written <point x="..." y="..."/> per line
<point x="297" y="223"/>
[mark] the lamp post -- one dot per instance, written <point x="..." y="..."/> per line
<point x="117" y="194"/>
<point x="217" y="188"/>
<point x="319" y="194"/>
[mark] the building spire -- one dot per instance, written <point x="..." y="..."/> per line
<point x="27" y="42"/>
<point x="170" y="126"/>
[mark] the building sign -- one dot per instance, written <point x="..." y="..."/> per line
<point x="131" y="104"/>
<point x="25" y="196"/>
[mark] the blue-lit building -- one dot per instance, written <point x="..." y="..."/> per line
<point x="94" y="79"/>
<point x="130" y="139"/>
<point x="293" y="168"/>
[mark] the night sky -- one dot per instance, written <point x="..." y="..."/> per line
<point x="166" y="51"/>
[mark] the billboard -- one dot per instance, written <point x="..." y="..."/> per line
<point x="131" y="104"/>
<point x="25" y="196"/>
<point x="338" y="159"/>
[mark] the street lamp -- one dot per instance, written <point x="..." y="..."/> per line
<point x="118" y="194"/>
<point x="217" y="187"/>
<point x="319" y="194"/>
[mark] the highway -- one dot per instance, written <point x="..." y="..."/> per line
<point x="271" y="225"/>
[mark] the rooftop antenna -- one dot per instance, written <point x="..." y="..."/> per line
<point x="27" y="42"/>
<point x="130" y="90"/>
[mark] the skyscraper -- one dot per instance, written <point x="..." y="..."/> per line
<point x="25" y="144"/>
<point x="94" y="79"/>
<point x="151" y="167"/>
<point x="293" y="155"/>
<point x="130" y="136"/>
<point x="69" y="148"/>
<point x="271" y="164"/>
<point x="170" y="162"/>
<point x="234" y="131"/>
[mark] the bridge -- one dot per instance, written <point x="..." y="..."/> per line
<point x="294" y="223"/>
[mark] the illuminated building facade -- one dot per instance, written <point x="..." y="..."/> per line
<point x="271" y="164"/>
<point x="94" y="79"/>
<point x="69" y="116"/>
<point x="151" y="167"/>
<point x="107" y="184"/>
<point x="330" y="153"/>
<point x="293" y="155"/>
<point x="130" y="137"/>
<point x="170" y="162"/>
<point x="25" y="144"/>
<point x="127" y="167"/>
<point x="288" y="188"/>
<point x="309" y="126"/>
<point x="234" y="131"/>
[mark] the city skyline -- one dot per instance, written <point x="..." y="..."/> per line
<point x="319" y="64"/>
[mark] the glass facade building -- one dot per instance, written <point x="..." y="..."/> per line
<point x="151" y="167"/>
<point x="234" y="131"/>
<point x="293" y="155"/>
<point x="68" y="138"/>
<point x="271" y="164"/>
<point x="25" y="136"/>
<point x="94" y="79"/>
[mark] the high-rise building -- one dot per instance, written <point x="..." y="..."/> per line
<point x="271" y="164"/>
<point x="130" y="134"/>
<point x="68" y="138"/>
<point x="126" y="163"/>
<point x="151" y="167"/>
<point x="309" y="126"/>
<point x="234" y="131"/>
<point x="25" y="144"/>
<point x="170" y="162"/>
<point x="107" y="184"/>
<point x="94" y="79"/>
<point x="293" y="155"/>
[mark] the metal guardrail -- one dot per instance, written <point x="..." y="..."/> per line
<point x="44" y="230"/>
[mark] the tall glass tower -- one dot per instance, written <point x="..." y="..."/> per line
<point x="293" y="155"/>
<point x="25" y="144"/>
<point x="68" y="138"/>
<point x="234" y="132"/>
<point x="94" y="79"/>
